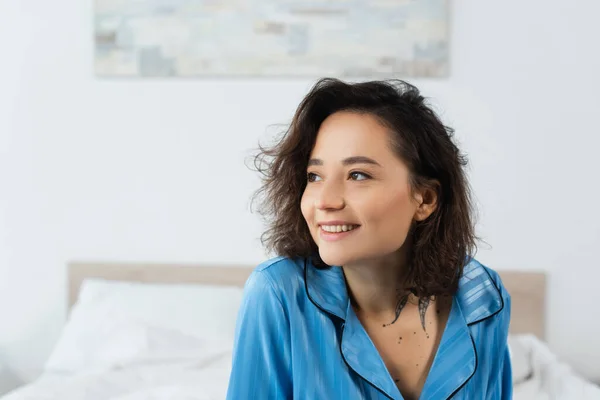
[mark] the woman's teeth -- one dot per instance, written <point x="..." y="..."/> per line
<point x="338" y="228"/>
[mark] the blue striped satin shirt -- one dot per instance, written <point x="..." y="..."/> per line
<point x="298" y="337"/>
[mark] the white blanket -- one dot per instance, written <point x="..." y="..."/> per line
<point x="161" y="381"/>
<point x="539" y="375"/>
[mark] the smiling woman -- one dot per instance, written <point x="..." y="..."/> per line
<point x="375" y="292"/>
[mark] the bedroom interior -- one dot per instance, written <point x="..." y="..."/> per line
<point x="126" y="232"/>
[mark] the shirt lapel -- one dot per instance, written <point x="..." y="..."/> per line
<point x="326" y="288"/>
<point x="363" y="357"/>
<point x="455" y="362"/>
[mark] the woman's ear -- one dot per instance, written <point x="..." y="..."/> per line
<point x="427" y="201"/>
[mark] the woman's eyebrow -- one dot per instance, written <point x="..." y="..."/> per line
<point x="359" y="160"/>
<point x="347" y="161"/>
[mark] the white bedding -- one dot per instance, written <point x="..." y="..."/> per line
<point x="133" y="341"/>
<point x="164" y="381"/>
<point x="539" y="375"/>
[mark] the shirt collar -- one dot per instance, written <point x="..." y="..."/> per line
<point x="326" y="288"/>
<point x="478" y="296"/>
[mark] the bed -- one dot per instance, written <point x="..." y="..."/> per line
<point x="129" y="336"/>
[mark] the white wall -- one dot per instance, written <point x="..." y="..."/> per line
<point x="153" y="170"/>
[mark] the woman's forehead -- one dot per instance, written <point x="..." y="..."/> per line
<point x="346" y="134"/>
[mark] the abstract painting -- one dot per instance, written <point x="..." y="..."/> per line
<point x="270" y="38"/>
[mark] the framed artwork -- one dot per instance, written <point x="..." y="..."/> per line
<point x="285" y="38"/>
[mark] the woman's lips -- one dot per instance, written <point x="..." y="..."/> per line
<point x="335" y="236"/>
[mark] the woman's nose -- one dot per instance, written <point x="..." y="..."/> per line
<point x="330" y="198"/>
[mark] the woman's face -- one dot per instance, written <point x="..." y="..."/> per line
<point x="358" y="202"/>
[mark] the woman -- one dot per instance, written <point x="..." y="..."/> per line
<point x="375" y="294"/>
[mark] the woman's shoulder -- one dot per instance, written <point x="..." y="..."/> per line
<point x="475" y="270"/>
<point x="481" y="292"/>
<point x="280" y="270"/>
<point x="281" y="275"/>
<point x="281" y="267"/>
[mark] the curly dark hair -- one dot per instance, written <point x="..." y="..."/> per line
<point x="442" y="244"/>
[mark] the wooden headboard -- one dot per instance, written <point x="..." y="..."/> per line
<point x="528" y="297"/>
<point x="527" y="289"/>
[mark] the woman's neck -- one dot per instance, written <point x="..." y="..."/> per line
<point x="375" y="285"/>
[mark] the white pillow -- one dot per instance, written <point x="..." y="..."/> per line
<point x="520" y="358"/>
<point x="118" y="323"/>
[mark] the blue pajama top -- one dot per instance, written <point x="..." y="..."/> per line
<point x="297" y="337"/>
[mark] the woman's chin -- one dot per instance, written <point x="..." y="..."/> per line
<point x="334" y="258"/>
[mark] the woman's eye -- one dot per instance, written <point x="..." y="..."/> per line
<point x="312" y="177"/>
<point x="359" y="176"/>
